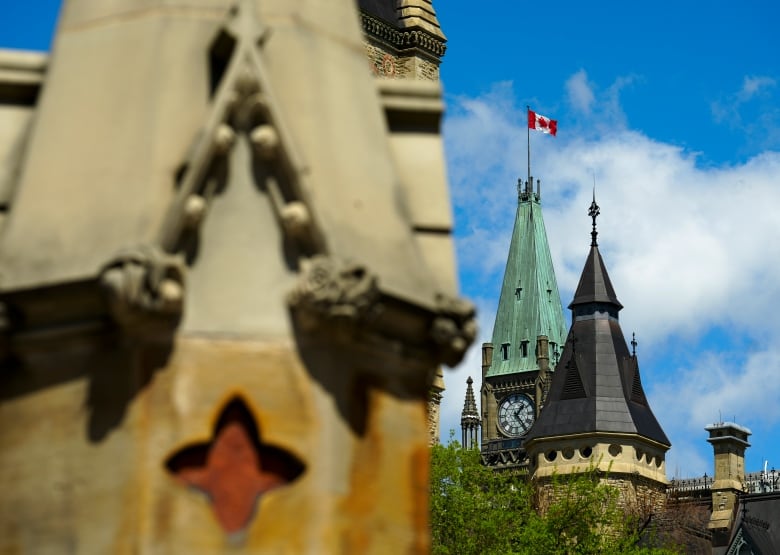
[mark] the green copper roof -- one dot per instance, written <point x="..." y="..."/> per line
<point x="530" y="304"/>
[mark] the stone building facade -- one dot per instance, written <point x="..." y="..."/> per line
<point x="403" y="40"/>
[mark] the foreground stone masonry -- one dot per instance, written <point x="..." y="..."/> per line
<point x="106" y="462"/>
<point x="234" y="469"/>
<point x="227" y="283"/>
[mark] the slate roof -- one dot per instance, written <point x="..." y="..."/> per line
<point x="596" y="386"/>
<point x="595" y="285"/>
<point x="757" y="525"/>
<point x="529" y="304"/>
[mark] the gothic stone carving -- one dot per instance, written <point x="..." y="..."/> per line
<point x="145" y="291"/>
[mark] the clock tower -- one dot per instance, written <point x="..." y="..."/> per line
<point x="528" y="336"/>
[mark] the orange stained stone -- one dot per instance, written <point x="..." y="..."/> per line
<point x="234" y="469"/>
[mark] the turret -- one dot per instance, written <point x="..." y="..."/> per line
<point x="469" y="419"/>
<point x="597" y="379"/>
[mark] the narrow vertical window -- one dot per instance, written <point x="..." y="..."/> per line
<point x="505" y="351"/>
<point x="524" y="348"/>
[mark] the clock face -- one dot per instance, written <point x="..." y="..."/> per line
<point x="516" y="414"/>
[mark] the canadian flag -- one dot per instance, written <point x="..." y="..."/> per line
<point x="541" y="123"/>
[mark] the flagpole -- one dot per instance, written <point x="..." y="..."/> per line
<point x="528" y="133"/>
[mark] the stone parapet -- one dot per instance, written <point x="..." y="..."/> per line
<point x="420" y="40"/>
<point x="613" y="454"/>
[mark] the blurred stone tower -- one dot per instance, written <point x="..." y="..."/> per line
<point x="597" y="414"/>
<point x="403" y="40"/>
<point x="226" y="282"/>
<point x="528" y="333"/>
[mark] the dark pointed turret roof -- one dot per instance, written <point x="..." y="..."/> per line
<point x="596" y="386"/>
<point x="595" y="285"/>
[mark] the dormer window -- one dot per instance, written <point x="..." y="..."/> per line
<point x="505" y="351"/>
<point x="519" y="292"/>
<point x="524" y="348"/>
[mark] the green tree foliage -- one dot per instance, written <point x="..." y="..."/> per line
<point x="477" y="511"/>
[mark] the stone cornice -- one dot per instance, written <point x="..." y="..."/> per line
<point x="407" y="39"/>
<point x="602" y="437"/>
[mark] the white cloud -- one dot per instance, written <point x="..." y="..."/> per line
<point x="580" y="92"/>
<point x="753" y="85"/>
<point x="752" y="110"/>
<point x="725" y="387"/>
<point x="690" y="249"/>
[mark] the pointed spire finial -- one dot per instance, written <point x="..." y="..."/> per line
<point x="470" y="404"/>
<point x="469" y="419"/>
<point x="633" y="344"/>
<point x="594" y="212"/>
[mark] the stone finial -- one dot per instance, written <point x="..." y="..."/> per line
<point x="594" y="212"/>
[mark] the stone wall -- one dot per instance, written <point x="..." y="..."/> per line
<point x="386" y="64"/>
<point x="637" y="495"/>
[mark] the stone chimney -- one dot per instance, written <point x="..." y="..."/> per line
<point x="729" y="442"/>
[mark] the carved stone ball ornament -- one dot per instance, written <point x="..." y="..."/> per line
<point x="265" y="141"/>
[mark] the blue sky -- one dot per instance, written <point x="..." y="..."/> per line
<point x="676" y="111"/>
